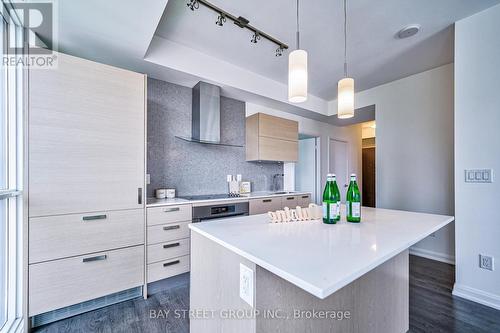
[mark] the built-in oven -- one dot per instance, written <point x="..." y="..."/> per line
<point x="210" y="212"/>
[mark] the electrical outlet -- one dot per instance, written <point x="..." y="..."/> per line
<point x="246" y="284"/>
<point x="486" y="262"/>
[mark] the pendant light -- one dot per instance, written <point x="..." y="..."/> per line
<point x="297" y="71"/>
<point x="345" y="95"/>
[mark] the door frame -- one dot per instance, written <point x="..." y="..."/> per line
<point x="348" y="153"/>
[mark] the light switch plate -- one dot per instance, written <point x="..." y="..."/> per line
<point x="246" y="284"/>
<point x="478" y="175"/>
<point x="148" y="179"/>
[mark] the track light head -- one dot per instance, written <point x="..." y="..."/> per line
<point x="221" y="19"/>
<point x="193" y="4"/>
<point x="279" y="51"/>
<point x="255" y="37"/>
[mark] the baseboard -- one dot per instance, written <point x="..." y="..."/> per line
<point x="476" y="295"/>
<point x="443" y="257"/>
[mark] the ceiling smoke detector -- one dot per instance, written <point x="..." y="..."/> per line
<point x="408" y="31"/>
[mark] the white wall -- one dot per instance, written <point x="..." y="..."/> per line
<point x="351" y="134"/>
<point x="477" y="142"/>
<point x="414" y="156"/>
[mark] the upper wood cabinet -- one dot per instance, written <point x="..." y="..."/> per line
<point x="86" y="138"/>
<point x="270" y="138"/>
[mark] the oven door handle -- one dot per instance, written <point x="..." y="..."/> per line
<point x="202" y="219"/>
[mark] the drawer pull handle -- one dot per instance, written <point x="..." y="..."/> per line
<point x="96" y="258"/>
<point x="171" y="227"/>
<point x="267" y="200"/>
<point x="167" y="246"/>
<point x="305" y="196"/>
<point x="171" y="263"/>
<point x="290" y="198"/>
<point x="169" y="210"/>
<point x="95" y="217"/>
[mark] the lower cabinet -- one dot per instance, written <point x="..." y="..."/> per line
<point x="60" y="283"/>
<point x="168" y="241"/>
<point x="264" y="205"/>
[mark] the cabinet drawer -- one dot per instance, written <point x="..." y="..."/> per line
<point x="167" y="268"/>
<point x="304" y="200"/>
<point x="167" y="250"/>
<point x="60" y="283"/>
<point x="289" y="201"/>
<point x="168" y="232"/>
<point x="168" y="214"/>
<point x="271" y="149"/>
<point x="57" y="237"/>
<point x="264" y="205"/>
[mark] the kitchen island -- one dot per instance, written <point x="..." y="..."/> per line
<point x="305" y="276"/>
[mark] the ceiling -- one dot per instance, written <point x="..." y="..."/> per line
<point x="375" y="56"/>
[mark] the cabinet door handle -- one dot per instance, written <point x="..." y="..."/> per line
<point x="305" y="196"/>
<point x="290" y="198"/>
<point x="169" y="210"/>
<point x="96" y="258"/>
<point x="139" y="195"/>
<point x="171" y="263"/>
<point x="267" y="200"/>
<point x="172" y="227"/>
<point x="167" y="246"/>
<point x="95" y="217"/>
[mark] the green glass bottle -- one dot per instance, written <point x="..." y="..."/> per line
<point x="331" y="200"/>
<point x="353" y="201"/>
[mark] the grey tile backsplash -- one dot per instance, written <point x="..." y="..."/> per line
<point x="193" y="168"/>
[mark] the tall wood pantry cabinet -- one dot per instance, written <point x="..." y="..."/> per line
<point x="86" y="205"/>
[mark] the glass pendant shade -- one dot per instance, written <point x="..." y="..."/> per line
<point x="345" y="98"/>
<point x="297" y="76"/>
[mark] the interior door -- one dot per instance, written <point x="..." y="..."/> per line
<point x="338" y="163"/>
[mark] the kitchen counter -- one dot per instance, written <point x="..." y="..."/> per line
<point x="362" y="267"/>
<point x="153" y="202"/>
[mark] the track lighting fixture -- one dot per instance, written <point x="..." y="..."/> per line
<point x="255" y="37"/>
<point x="221" y="19"/>
<point x="279" y="51"/>
<point x="239" y="21"/>
<point x="193" y="4"/>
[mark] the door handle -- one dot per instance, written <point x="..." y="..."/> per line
<point x="171" y="263"/>
<point x="290" y="198"/>
<point x="171" y="227"/>
<point x="95" y="217"/>
<point x="169" y="210"/>
<point x="305" y="196"/>
<point x="267" y="200"/>
<point x="96" y="258"/>
<point x="167" y="246"/>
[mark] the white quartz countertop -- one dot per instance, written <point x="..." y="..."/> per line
<point x="153" y="202"/>
<point x="317" y="257"/>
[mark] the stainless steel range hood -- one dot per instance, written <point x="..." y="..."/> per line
<point x="206" y="115"/>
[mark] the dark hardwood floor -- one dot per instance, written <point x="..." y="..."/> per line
<point x="432" y="308"/>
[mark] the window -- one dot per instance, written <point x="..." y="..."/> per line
<point x="11" y="175"/>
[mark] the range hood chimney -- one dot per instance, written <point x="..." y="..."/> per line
<point x="206" y="115"/>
